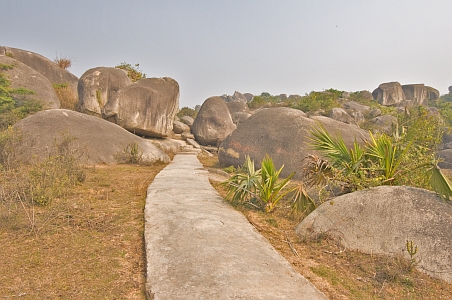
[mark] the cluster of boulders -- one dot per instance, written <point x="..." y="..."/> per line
<point x="115" y="112"/>
<point x="146" y="107"/>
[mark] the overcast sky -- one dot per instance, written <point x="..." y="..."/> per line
<point x="217" y="47"/>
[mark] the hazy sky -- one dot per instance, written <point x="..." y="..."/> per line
<point x="217" y="47"/>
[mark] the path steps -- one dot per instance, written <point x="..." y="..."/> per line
<point x="199" y="247"/>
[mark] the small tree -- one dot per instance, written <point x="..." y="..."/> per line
<point x="132" y="71"/>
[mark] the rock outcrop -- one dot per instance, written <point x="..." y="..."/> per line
<point x="213" y="122"/>
<point x="148" y="106"/>
<point x="22" y="76"/>
<point x="102" y="140"/>
<point x="98" y="90"/>
<point x="43" y="65"/>
<point x="389" y="93"/>
<point x="284" y="134"/>
<point x="381" y="220"/>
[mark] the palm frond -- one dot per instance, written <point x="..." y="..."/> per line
<point x="440" y="184"/>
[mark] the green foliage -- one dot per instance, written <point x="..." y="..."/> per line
<point x="263" y="188"/>
<point x="12" y="107"/>
<point x="132" y="71"/>
<point x="264" y="100"/>
<point x="187" y="111"/>
<point x="407" y="158"/>
<point x="269" y="185"/>
<point x="318" y="101"/>
<point x="411" y="248"/>
<point x="242" y="186"/>
<point x="131" y="154"/>
<point x="444" y="105"/>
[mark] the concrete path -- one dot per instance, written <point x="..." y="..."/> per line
<point x="199" y="247"/>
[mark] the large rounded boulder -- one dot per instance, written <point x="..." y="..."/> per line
<point x="282" y="133"/>
<point x="381" y="220"/>
<point x="389" y="93"/>
<point x="44" y="66"/>
<point x="148" y="106"/>
<point x="102" y="140"/>
<point x="213" y="122"/>
<point x="98" y="90"/>
<point x="22" y="76"/>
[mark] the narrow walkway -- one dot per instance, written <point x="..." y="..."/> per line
<point x="199" y="247"/>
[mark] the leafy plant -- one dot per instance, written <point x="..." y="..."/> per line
<point x="242" y="187"/>
<point x="132" y="71"/>
<point x="381" y="161"/>
<point x="411" y="248"/>
<point x="263" y="188"/>
<point x="269" y="186"/>
<point x="187" y="111"/>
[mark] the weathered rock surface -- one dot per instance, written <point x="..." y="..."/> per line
<point x="148" y="106"/>
<point x="389" y="93"/>
<point x="385" y="123"/>
<point x="415" y="92"/>
<point x="340" y="115"/>
<point x="98" y="90"/>
<point x="43" y="65"/>
<point x="187" y="120"/>
<point x="101" y="139"/>
<point x="366" y="95"/>
<point x="381" y="220"/>
<point x="22" y="76"/>
<point x="213" y="122"/>
<point x="445" y="156"/>
<point x="239" y="117"/>
<point x="238" y="107"/>
<point x="282" y="133"/>
<point x="432" y="93"/>
<point x="248" y="96"/>
<point x="352" y="106"/>
<point x="179" y="127"/>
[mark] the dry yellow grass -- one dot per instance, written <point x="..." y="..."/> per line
<point x="88" y="245"/>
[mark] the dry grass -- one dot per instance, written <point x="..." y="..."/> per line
<point x="87" y="245"/>
<point x="68" y="98"/>
<point x="63" y="62"/>
<point x="345" y="275"/>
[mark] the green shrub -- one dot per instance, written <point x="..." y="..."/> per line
<point x="187" y="111"/>
<point x="264" y="189"/>
<point x="264" y="100"/>
<point x="130" y="154"/>
<point x="132" y="71"/>
<point x="317" y="101"/>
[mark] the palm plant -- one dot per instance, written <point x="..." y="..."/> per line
<point x="242" y="187"/>
<point x="269" y="185"/>
<point x="380" y="162"/>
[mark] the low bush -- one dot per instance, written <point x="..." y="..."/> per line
<point x="28" y="181"/>
<point x="68" y="99"/>
<point x="133" y="72"/>
<point x="187" y="111"/>
<point x="130" y="154"/>
<point x="63" y="62"/>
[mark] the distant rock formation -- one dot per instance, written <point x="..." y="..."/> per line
<point x="392" y="93"/>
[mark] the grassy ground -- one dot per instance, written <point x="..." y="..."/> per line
<point x="88" y="245"/>
<point x="340" y="274"/>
